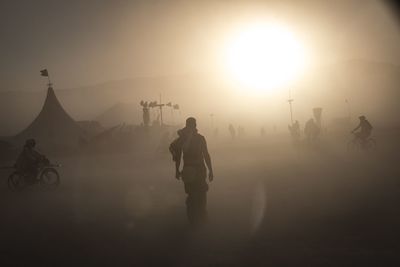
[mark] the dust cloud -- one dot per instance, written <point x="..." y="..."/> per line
<point x="270" y="203"/>
<point x="281" y="196"/>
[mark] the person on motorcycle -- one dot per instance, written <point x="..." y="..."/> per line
<point x="365" y="129"/>
<point x="29" y="159"/>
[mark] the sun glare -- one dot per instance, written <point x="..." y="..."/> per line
<point x="265" y="57"/>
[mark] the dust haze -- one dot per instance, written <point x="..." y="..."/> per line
<point x="281" y="196"/>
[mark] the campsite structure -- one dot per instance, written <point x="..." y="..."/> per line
<point x="53" y="127"/>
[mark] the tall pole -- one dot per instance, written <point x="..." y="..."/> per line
<point x="48" y="79"/>
<point x="290" y="100"/>
<point x="45" y="73"/>
<point x="348" y="109"/>
<point x="161" y="117"/>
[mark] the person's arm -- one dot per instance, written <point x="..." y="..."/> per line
<point x="369" y="125"/>
<point x="207" y="159"/>
<point x="176" y="150"/>
<point x="177" y="165"/>
<point x="355" y="129"/>
<point x="30" y="155"/>
<point x="37" y="155"/>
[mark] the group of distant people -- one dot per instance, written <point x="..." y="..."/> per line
<point x="311" y="131"/>
<point x="240" y="132"/>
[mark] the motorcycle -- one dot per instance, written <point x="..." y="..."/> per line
<point x="47" y="176"/>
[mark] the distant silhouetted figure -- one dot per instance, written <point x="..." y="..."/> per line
<point x="216" y="133"/>
<point x="311" y="130"/>
<point x="29" y="159"/>
<point x="241" y="132"/>
<point x="365" y="129"/>
<point x="232" y="131"/>
<point x="146" y="116"/>
<point x="193" y="146"/>
<point x="262" y="132"/>
<point x="294" y="130"/>
<point x="164" y="141"/>
<point x="157" y="122"/>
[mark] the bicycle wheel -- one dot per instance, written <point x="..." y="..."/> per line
<point x="370" y="145"/>
<point x="353" y="146"/>
<point x="15" y="181"/>
<point x="49" y="178"/>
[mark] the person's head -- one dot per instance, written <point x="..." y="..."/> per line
<point x="362" y="118"/>
<point x="191" y="123"/>
<point x="30" y="143"/>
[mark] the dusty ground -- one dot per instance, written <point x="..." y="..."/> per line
<point x="270" y="205"/>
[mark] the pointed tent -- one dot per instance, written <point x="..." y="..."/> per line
<point x="53" y="127"/>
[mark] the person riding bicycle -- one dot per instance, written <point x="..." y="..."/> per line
<point x="365" y="129"/>
<point x="29" y="159"/>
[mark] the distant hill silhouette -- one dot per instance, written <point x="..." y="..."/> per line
<point x="120" y="113"/>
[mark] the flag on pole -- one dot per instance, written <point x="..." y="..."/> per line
<point x="44" y="73"/>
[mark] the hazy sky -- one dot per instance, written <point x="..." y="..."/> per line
<point x="85" y="42"/>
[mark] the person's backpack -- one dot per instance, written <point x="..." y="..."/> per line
<point x="175" y="149"/>
<point x="368" y="126"/>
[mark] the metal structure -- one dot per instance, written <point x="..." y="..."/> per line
<point x="348" y="108"/>
<point x="290" y="100"/>
<point x="154" y="104"/>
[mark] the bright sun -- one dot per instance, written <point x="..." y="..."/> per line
<point x="265" y="57"/>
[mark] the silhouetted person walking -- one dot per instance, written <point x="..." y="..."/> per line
<point x="193" y="146"/>
<point x="164" y="141"/>
<point x="294" y="130"/>
<point x="241" y="132"/>
<point x="311" y="130"/>
<point x="216" y="133"/>
<point x="232" y="131"/>
<point x="262" y="132"/>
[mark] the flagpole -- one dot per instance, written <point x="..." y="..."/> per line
<point x="348" y="109"/>
<point x="162" y="122"/>
<point x="172" y="115"/>
<point x="45" y="73"/>
<point x="48" y="78"/>
<point x="290" y="100"/>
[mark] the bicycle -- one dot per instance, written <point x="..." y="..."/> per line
<point x="357" y="144"/>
